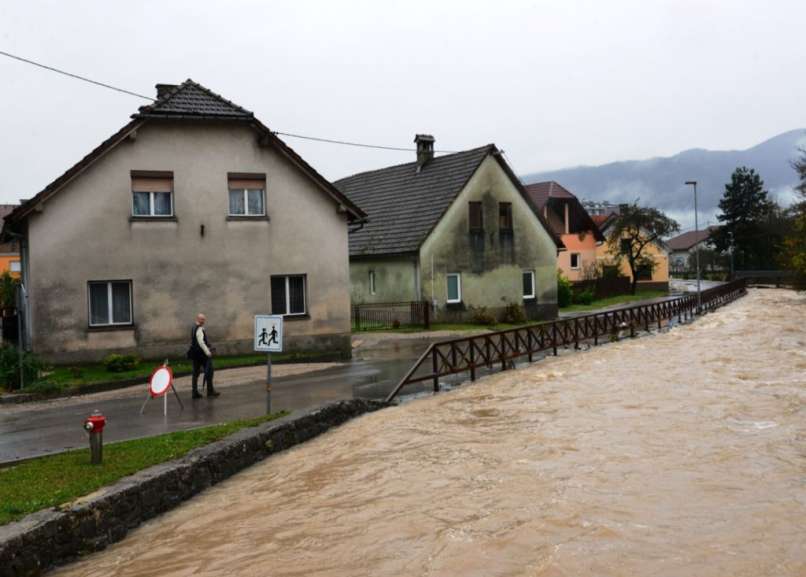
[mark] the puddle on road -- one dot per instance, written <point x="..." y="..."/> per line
<point x="683" y="454"/>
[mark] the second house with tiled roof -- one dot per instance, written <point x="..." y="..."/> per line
<point x="457" y="231"/>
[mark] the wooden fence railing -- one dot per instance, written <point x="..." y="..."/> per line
<point x="501" y="348"/>
<point x="391" y="315"/>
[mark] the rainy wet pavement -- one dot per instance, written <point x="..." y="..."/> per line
<point x="683" y="453"/>
<point x="57" y="426"/>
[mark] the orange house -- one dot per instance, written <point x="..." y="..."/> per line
<point x="568" y="218"/>
<point x="9" y="251"/>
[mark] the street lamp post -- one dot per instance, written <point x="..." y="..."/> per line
<point x="693" y="183"/>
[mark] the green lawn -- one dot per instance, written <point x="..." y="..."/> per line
<point x="617" y="300"/>
<point x="53" y="480"/>
<point x="75" y="377"/>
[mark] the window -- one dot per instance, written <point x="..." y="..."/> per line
<point x="152" y="196"/>
<point x="247" y="195"/>
<point x="476" y="217"/>
<point x="288" y="295"/>
<point x="575" y="260"/>
<point x="110" y="303"/>
<point x="14" y="266"/>
<point x="454" y="288"/>
<point x="505" y="216"/>
<point x="626" y="246"/>
<point x="372" y="282"/>
<point x="528" y="284"/>
<point x="643" y="272"/>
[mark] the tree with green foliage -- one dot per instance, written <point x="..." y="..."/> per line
<point x="795" y="241"/>
<point x="750" y="222"/>
<point x="633" y="230"/>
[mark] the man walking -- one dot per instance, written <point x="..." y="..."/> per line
<point x="202" y="356"/>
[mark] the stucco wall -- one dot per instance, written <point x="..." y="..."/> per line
<point x="84" y="233"/>
<point x="660" y="271"/>
<point x="491" y="277"/>
<point x="585" y="246"/>
<point x="395" y="280"/>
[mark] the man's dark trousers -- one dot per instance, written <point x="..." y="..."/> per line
<point x="207" y="365"/>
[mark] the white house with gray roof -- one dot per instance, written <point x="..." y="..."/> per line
<point x="193" y="206"/>
<point x="457" y="230"/>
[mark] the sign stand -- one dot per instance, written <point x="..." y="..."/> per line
<point x="161" y="380"/>
<point x="268" y="339"/>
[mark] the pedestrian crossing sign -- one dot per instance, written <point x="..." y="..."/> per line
<point x="269" y="333"/>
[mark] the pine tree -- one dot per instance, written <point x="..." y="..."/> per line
<point x="747" y="218"/>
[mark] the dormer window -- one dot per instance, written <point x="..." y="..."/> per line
<point x="152" y="194"/>
<point x="247" y="195"/>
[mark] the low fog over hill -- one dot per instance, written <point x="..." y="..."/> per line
<point x="659" y="181"/>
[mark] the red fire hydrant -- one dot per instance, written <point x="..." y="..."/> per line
<point x="94" y="425"/>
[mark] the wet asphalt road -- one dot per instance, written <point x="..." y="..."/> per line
<point x="55" y="427"/>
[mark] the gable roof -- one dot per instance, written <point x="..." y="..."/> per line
<point x="187" y="101"/>
<point x="542" y="192"/>
<point x="689" y="239"/>
<point x="404" y="204"/>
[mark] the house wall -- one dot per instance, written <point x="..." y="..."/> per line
<point x="395" y="280"/>
<point x="660" y="271"/>
<point x="585" y="245"/>
<point x="85" y="233"/>
<point x="492" y="275"/>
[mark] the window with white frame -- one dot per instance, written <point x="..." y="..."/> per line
<point x="152" y="196"/>
<point x="288" y="295"/>
<point x="372" y="282"/>
<point x="454" y="288"/>
<point x="247" y="196"/>
<point x="15" y="266"/>
<point x="576" y="260"/>
<point x="528" y="284"/>
<point x="110" y="303"/>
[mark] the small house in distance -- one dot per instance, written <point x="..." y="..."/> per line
<point x="570" y="221"/>
<point x="684" y="246"/>
<point x="458" y="231"/>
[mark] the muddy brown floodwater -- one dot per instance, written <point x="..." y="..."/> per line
<point x="680" y="454"/>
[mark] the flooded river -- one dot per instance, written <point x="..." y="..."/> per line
<point x="680" y="454"/>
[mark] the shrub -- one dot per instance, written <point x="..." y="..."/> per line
<point x="76" y="372"/>
<point x="120" y="363"/>
<point x="43" y="387"/>
<point x="8" y="290"/>
<point x="10" y="367"/>
<point x="395" y="324"/>
<point x="563" y="290"/>
<point x="513" y="314"/>
<point x="584" y="297"/>
<point x="481" y="316"/>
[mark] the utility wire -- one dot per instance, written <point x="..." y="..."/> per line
<point x="76" y="76"/>
<point x="359" y="144"/>
<point x="130" y="93"/>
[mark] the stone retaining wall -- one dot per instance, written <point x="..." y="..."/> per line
<point x="55" y="536"/>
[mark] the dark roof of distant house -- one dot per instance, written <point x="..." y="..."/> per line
<point x="188" y="101"/>
<point x="689" y="239"/>
<point x="541" y="192"/>
<point x="404" y="204"/>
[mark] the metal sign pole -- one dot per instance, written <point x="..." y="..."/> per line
<point x="268" y="383"/>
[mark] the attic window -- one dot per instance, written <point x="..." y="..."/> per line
<point x="505" y="216"/>
<point x="476" y="217"/>
<point x="152" y="195"/>
<point x="247" y="195"/>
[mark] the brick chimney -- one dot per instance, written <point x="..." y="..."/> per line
<point x="163" y="89"/>
<point x="425" y="149"/>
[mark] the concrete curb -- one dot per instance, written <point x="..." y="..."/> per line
<point x="55" y="536"/>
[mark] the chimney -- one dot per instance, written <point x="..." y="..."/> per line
<point x="425" y="149"/>
<point x="163" y="89"/>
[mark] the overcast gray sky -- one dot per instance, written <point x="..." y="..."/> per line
<point x="554" y="84"/>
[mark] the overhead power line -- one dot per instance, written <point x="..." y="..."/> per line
<point x="76" y="76"/>
<point x="131" y="93"/>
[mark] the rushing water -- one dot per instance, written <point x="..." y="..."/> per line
<point x="680" y="454"/>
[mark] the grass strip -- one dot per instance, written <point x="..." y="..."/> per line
<point x="616" y="300"/>
<point x="56" y="479"/>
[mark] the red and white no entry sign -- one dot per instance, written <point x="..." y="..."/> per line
<point x="161" y="380"/>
